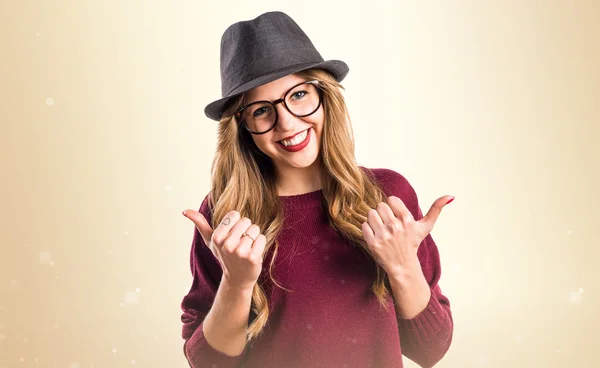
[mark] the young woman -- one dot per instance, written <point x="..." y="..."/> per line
<point x="301" y="257"/>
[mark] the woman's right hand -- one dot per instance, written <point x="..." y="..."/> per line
<point x="240" y="255"/>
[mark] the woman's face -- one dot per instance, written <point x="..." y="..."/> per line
<point x="298" y="154"/>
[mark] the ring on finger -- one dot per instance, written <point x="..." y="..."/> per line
<point x="246" y="234"/>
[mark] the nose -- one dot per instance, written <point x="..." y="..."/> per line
<point x="285" y="120"/>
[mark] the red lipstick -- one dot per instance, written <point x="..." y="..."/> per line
<point x="297" y="147"/>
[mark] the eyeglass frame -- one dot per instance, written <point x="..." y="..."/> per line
<point x="238" y="113"/>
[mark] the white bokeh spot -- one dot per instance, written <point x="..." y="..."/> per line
<point x="45" y="258"/>
<point x="575" y="297"/>
<point x="131" y="298"/>
<point x="518" y="339"/>
<point x="480" y="359"/>
<point x="50" y="101"/>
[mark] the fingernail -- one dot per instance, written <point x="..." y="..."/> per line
<point x="451" y="199"/>
<point x="183" y="213"/>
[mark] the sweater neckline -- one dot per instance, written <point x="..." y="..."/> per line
<point x="303" y="200"/>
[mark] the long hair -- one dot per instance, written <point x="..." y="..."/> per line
<point x="243" y="180"/>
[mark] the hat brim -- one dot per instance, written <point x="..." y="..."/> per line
<point x="337" y="68"/>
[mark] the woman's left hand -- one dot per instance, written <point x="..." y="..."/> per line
<point x="393" y="235"/>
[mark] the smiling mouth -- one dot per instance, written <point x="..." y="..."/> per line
<point x="295" y="140"/>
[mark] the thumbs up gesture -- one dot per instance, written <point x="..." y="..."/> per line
<point x="394" y="236"/>
<point x="238" y="245"/>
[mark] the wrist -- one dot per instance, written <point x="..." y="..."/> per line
<point x="406" y="273"/>
<point x="237" y="287"/>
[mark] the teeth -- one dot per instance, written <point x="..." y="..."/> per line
<point x="296" y="140"/>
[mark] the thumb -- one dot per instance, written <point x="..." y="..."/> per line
<point x="201" y="223"/>
<point x="432" y="215"/>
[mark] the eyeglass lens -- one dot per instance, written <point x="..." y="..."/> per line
<point x="301" y="101"/>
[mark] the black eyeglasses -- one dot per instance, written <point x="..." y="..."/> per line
<point x="301" y="100"/>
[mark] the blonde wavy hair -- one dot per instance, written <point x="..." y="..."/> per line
<point x="243" y="180"/>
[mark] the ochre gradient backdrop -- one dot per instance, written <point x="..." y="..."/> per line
<point x="104" y="142"/>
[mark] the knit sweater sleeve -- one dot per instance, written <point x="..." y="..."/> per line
<point x="206" y="273"/>
<point x="426" y="338"/>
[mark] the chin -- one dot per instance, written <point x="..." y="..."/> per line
<point x="307" y="159"/>
<point x="302" y="164"/>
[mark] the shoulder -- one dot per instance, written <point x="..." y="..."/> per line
<point x="392" y="183"/>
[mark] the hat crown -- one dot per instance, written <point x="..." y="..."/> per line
<point x="266" y="48"/>
<point x="265" y="44"/>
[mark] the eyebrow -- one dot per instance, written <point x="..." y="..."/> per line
<point x="295" y="84"/>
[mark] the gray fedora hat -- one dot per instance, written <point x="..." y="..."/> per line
<point x="264" y="49"/>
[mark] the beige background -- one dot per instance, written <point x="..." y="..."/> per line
<point x="104" y="143"/>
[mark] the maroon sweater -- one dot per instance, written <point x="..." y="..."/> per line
<point x="331" y="318"/>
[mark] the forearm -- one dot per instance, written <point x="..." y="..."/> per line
<point x="225" y="324"/>
<point x="410" y="290"/>
<point x="424" y="319"/>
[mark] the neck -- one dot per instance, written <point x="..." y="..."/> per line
<point x="293" y="180"/>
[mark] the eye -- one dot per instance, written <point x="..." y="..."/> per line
<point x="298" y="95"/>
<point x="260" y="111"/>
